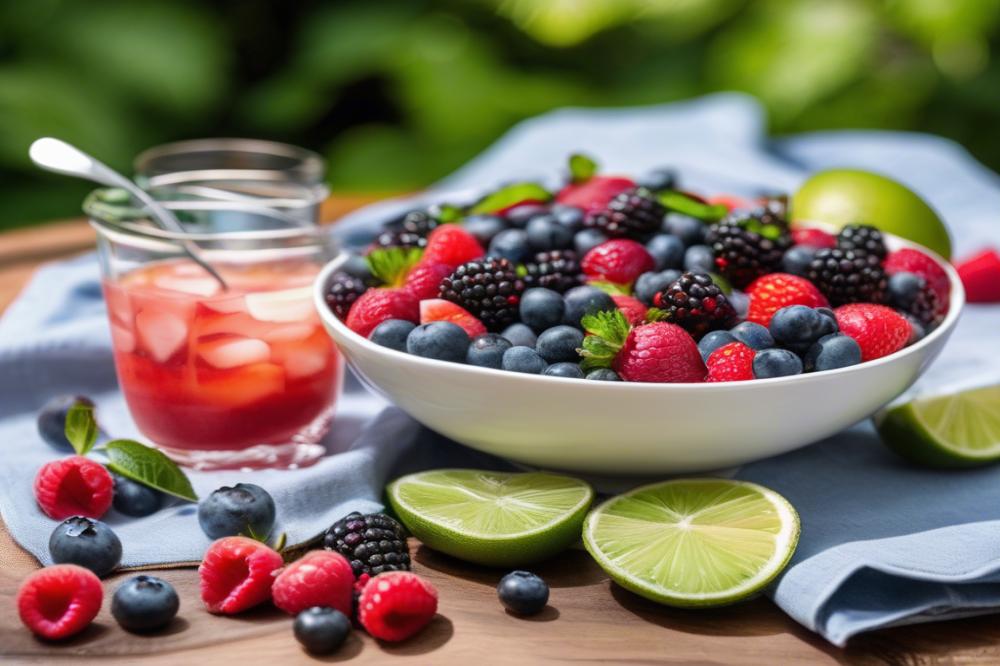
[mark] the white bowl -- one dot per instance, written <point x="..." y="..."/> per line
<point x="633" y="428"/>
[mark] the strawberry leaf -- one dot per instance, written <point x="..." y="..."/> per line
<point x="149" y="467"/>
<point x="656" y="314"/>
<point x="581" y="168"/>
<point x="510" y="195"/>
<point x="81" y="427"/>
<point x="391" y="265"/>
<point x="679" y="202"/>
<point x="608" y="332"/>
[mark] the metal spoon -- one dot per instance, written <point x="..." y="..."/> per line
<point x="60" y="157"/>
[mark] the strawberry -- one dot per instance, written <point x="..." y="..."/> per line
<point x="914" y="261"/>
<point x="813" y="237"/>
<point x="595" y="193"/>
<point x="74" y="486"/>
<point x="657" y="352"/>
<point x="59" y="601"/>
<point x="376" y="305"/>
<point x="452" y="246"/>
<point x="319" y="578"/>
<point x="619" y="261"/>
<point x="424" y="280"/>
<point x="980" y="275"/>
<point x="237" y="574"/>
<point x="732" y="362"/>
<point x="878" y="330"/>
<point x="635" y="311"/>
<point x="438" y="309"/>
<point x="770" y="293"/>
<point x="396" y="605"/>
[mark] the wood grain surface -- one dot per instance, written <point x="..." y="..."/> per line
<point x="589" y="619"/>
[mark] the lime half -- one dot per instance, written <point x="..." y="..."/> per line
<point x="958" y="430"/>
<point x="492" y="518"/>
<point x="693" y="542"/>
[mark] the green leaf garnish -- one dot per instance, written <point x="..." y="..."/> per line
<point x="609" y="330"/>
<point x="150" y="467"/>
<point x="447" y="213"/>
<point x="656" y="314"/>
<point x="722" y="283"/>
<point x="611" y="288"/>
<point x="81" y="427"/>
<point x="581" y="168"/>
<point x="391" y="265"/>
<point x="685" y="204"/>
<point x="510" y="195"/>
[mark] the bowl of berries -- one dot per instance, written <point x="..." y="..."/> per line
<point x="622" y="326"/>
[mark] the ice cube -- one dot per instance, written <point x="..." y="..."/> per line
<point x="119" y="306"/>
<point x="122" y="338"/>
<point x="289" y="332"/>
<point x="161" y="333"/>
<point x="288" y="305"/>
<point x="242" y="386"/>
<point x="230" y="305"/>
<point x="228" y="353"/>
<point x="203" y="285"/>
<point x="303" y="362"/>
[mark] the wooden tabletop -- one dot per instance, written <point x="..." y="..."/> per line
<point x="588" y="619"/>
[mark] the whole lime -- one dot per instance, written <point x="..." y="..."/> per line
<point x="850" y="196"/>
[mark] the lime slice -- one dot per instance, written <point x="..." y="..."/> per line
<point x="492" y="518"/>
<point x="958" y="430"/>
<point x="693" y="542"/>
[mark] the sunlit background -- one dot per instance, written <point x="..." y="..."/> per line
<point x="398" y="93"/>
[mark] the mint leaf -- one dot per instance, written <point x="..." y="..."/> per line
<point x="581" y="168"/>
<point x="150" y="467"/>
<point x="507" y="196"/>
<point x="685" y="204"/>
<point x="81" y="427"/>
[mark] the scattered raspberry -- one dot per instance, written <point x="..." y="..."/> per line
<point x="424" y="280"/>
<point x="732" y="362"/>
<point x="980" y="275"/>
<point x="59" y="601"/>
<point x="438" y="309"/>
<point x="376" y="305"/>
<point x="619" y="261"/>
<point x="452" y="246"/>
<point x="319" y="578"/>
<point x="914" y="261"/>
<point x="595" y="193"/>
<point x="770" y="293"/>
<point x="74" y="486"/>
<point x="878" y="330"/>
<point x="633" y="308"/>
<point x="813" y="237"/>
<point x="237" y="574"/>
<point x="396" y="605"/>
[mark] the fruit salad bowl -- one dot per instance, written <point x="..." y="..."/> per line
<point x="624" y="428"/>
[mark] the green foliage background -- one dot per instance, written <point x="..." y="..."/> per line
<point x="397" y="93"/>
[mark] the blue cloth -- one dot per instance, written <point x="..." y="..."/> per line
<point x="882" y="542"/>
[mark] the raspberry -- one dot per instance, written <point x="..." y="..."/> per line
<point x="424" y="280"/>
<point x="914" y="261"/>
<point x="74" y="486"/>
<point x="319" y="578"/>
<point x="396" y="605"/>
<point x="59" y="601"/>
<point x="633" y="308"/>
<point x="878" y="330"/>
<point x="236" y="574"/>
<point x="376" y="305"/>
<point x="452" y="245"/>
<point x="770" y="293"/>
<point x="619" y="261"/>
<point x="730" y="363"/>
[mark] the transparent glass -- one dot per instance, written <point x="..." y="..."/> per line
<point x="218" y="379"/>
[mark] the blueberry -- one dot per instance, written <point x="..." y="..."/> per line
<point x="832" y="351"/>
<point x="796" y="327"/>
<point x="486" y="351"/>
<point x="135" y="499"/>
<point x="776" y="363"/>
<point x="699" y="259"/>
<point x="52" y="420"/>
<point x="559" y="344"/>
<point x="392" y="333"/>
<point x="585" y="300"/>
<point x="586" y="240"/>
<point x="510" y="244"/>
<point x="144" y="603"/>
<point x="570" y="217"/>
<point x="565" y="369"/>
<point x="740" y="302"/>
<point x="904" y="288"/>
<point x="659" y="179"/>
<point x="649" y="284"/>
<point x="523" y="593"/>
<point x="484" y="227"/>
<point x="541" y="308"/>
<point x="87" y="542"/>
<point x="796" y="260"/>
<point x="239" y="509"/>
<point x="688" y="229"/>
<point x="752" y="335"/>
<point x="603" y="375"/>
<point x="545" y="233"/>
<point x="523" y="359"/>
<point x="321" y="630"/>
<point x="520" y="335"/>
<point x="667" y="250"/>
<point x="712" y="341"/>
<point x="518" y="216"/>
<point x="357" y="266"/>
<point x="917" y="328"/>
<point x="441" y="340"/>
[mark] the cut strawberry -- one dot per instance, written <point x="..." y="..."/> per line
<point x="595" y="193"/>
<point x="438" y="309"/>
<point x="980" y="275"/>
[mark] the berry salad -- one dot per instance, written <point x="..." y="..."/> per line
<point x="614" y="279"/>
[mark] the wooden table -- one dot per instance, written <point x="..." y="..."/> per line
<point x="589" y="618"/>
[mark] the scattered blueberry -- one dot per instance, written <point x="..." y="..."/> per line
<point x="586" y="240"/>
<point x="321" y="630"/>
<point x="649" y="284"/>
<point x="520" y="335"/>
<point x="484" y="227"/>
<point x="796" y="260"/>
<point x="603" y="375"/>
<point x="776" y="363"/>
<point x="565" y="369"/>
<point x="541" y="308"/>
<point x="392" y="333"/>
<point x="518" y="216"/>
<point x="833" y="351"/>
<point x="559" y="344"/>
<point x="441" y="340"/>
<point x="357" y="266"/>
<point x="712" y="341"/>
<point x="545" y="233"/>
<point x="52" y="420"/>
<point x="658" y="179"/>
<point x="752" y="335"/>
<point x="523" y="359"/>
<point x="570" y="217"/>
<point x="239" y="509"/>
<point x="667" y="250"/>
<point x="486" y="351"/>
<point x="511" y="244"/>
<point x="699" y="259"/>
<point x="796" y="327"/>
<point x="144" y="603"/>
<point x="135" y="499"/>
<point x="688" y="229"/>
<point x="585" y="300"/>
<point x="86" y="542"/>
<point x="523" y="593"/>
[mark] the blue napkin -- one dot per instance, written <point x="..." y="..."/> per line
<point x="882" y="543"/>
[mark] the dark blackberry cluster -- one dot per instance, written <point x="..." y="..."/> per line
<point x="488" y="288"/>
<point x="372" y="543"/>
<point x="398" y="238"/>
<point x="862" y="238"/>
<point x="558" y="270"/>
<point x="921" y="304"/>
<point x="344" y="289"/>
<point x="848" y="276"/>
<point x="632" y="214"/>
<point x="419" y="222"/>
<point x="749" y="244"/>
<point x="695" y="303"/>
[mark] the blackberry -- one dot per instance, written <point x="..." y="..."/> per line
<point x="912" y="295"/>
<point x="695" y="303"/>
<point x="863" y="238"/>
<point x="399" y="238"/>
<point x="747" y="245"/>
<point x="420" y="223"/>
<point x="558" y="270"/>
<point x="848" y="276"/>
<point x="488" y="288"/>
<point x="344" y="289"/>
<point x="372" y="543"/>
<point x="632" y="214"/>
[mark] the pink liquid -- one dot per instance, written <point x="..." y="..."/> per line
<point x="207" y="370"/>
